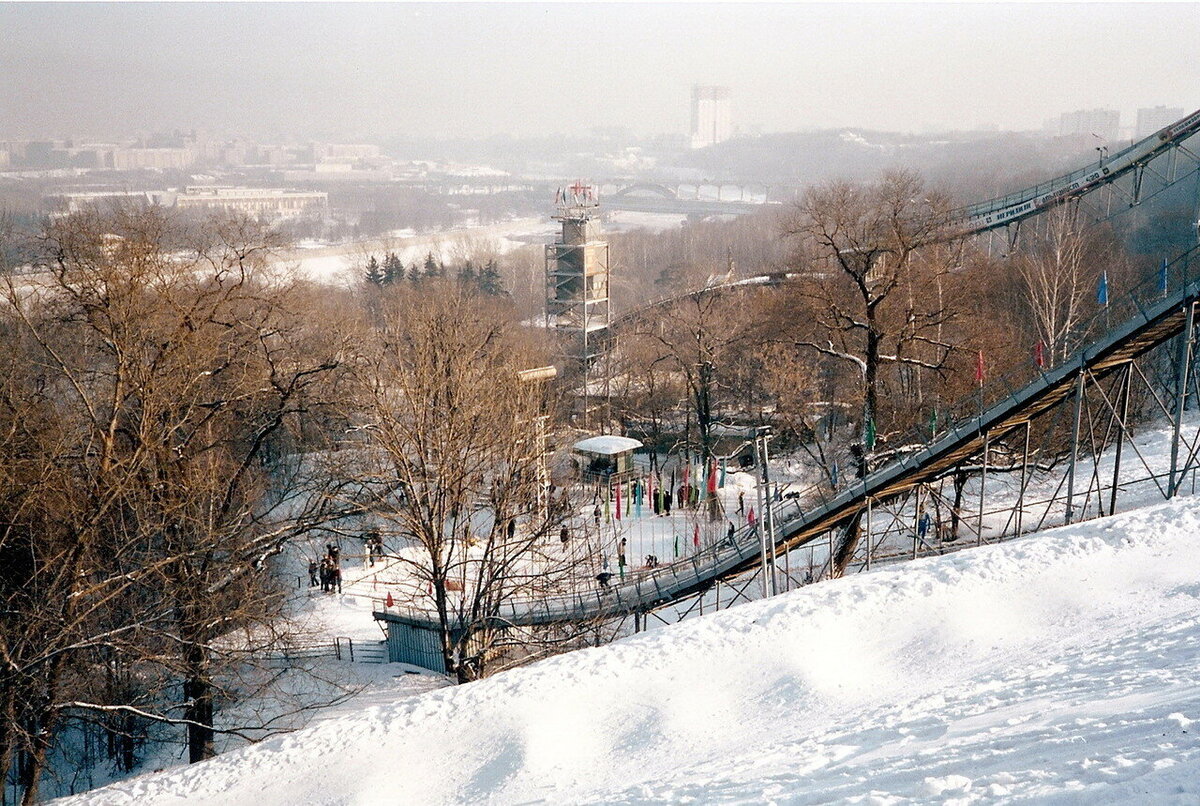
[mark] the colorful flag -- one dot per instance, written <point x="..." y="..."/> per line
<point x="933" y="421"/>
<point x="869" y="437"/>
<point x="619" y="486"/>
<point x="979" y="368"/>
<point x="696" y="536"/>
<point x="750" y="517"/>
<point x="1102" y="289"/>
<point x="833" y="475"/>
<point x="389" y="601"/>
<point x="1039" y="355"/>
<point x="1162" y="277"/>
<point x="712" y="479"/>
<point x="721" y="483"/>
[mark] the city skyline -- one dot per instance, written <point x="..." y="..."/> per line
<point x="354" y="72"/>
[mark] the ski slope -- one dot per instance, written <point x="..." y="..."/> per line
<point x="1058" y="668"/>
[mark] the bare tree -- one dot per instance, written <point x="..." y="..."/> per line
<point x="877" y="287"/>
<point x="1059" y="268"/>
<point x="453" y="460"/>
<point x="179" y="378"/>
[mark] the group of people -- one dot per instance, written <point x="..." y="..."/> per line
<point x="328" y="571"/>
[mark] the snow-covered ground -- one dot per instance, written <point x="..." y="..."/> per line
<point x="340" y="264"/>
<point x="1057" y="668"/>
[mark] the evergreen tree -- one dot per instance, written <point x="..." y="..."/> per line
<point x="414" y="273"/>
<point x="373" y="274"/>
<point x="489" y="280"/>
<point x="393" y="269"/>
<point x="432" y="269"/>
<point x="466" y="274"/>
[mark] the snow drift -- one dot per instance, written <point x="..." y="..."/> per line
<point x="1060" y="667"/>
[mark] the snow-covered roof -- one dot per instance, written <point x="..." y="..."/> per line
<point x="606" y="445"/>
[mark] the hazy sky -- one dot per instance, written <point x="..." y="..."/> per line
<point x="350" y="70"/>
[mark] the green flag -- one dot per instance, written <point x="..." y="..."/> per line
<point x="869" y="437"/>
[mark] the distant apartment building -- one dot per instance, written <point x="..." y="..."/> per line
<point x="134" y="159"/>
<point x="264" y="204"/>
<point x="712" y="119"/>
<point x="260" y="203"/>
<point x="1153" y="118"/>
<point x="1104" y="123"/>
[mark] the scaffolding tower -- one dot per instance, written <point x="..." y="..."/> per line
<point x="577" y="306"/>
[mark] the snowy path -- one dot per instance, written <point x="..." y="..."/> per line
<point x="1060" y="668"/>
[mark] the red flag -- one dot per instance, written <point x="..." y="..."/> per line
<point x="619" y="501"/>
<point x="712" y="479"/>
<point x="686" y="472"/>
<point x="979" y="368"/>
<point x="1039" y="355"/>
<point x="696" y="536"/>
<point x="389" y="601"/>
<point x="750" y="516"/>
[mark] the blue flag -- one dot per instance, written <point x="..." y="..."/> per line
<point x="1102" y="289"/>
<point x="1162" y="277"/>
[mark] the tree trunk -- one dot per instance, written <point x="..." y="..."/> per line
<point x="198" y="694"/>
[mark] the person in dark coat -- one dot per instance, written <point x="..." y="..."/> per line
<point x="313" y="571"/>
<point x="335" y="575"/>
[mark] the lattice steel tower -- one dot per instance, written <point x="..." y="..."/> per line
<point x="577" y="307"/>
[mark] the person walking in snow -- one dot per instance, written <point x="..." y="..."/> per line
<point x="729" y="533"/>
<point x="596" y="513"/>
<point x="924" y="521"/>
<point x="621" y="557"/>
<point x="605" y="575"/>
<point x="741" y="502"/>
<point x="313" y="570"/>
<point x="335" y="575"/>
<point x="326" y="573"/>
<point x="564" y="536"/>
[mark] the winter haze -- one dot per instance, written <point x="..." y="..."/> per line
<point x="105" y="70"/>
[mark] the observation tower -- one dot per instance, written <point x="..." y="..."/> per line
<point x="577" y="282"/>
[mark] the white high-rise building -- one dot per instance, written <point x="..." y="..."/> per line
<point x="712" y="121"/>
<point x="1154" y="118"/>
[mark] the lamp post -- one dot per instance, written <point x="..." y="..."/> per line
<point x="766" y="521"/>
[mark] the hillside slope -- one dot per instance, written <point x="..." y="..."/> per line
<point x="1060" y="667"/>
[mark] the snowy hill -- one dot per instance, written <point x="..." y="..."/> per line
<point x="1060" y="667"/>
